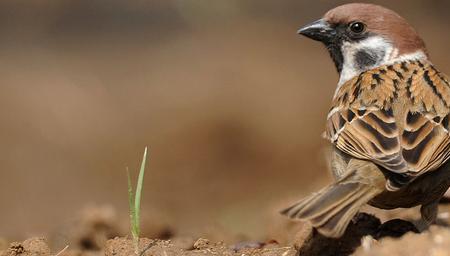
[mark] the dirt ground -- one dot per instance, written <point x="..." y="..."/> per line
<point x="374" y="232"/>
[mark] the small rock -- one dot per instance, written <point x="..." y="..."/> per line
<point x="202" y="243"/>
<point x="29" y="247"/>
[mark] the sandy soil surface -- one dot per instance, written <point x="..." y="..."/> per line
<point x="375" y="233"/>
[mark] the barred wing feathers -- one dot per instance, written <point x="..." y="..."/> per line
<point x="396" y="116"/>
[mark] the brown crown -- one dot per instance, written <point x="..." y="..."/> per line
<point x="381" y="21"/>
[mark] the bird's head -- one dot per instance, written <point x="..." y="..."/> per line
<point x="360" y="37"/>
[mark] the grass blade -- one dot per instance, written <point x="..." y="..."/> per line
<point x="131" y="203"/>
<point x="137" y="199"/>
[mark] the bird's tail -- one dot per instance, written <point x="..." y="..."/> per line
<point x="331" y="209"/>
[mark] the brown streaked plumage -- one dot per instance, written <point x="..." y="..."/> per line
<point x="389" y="120"/>
<point x="393" y="116"/>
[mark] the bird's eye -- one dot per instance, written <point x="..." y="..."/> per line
<point x="357" y="27"/>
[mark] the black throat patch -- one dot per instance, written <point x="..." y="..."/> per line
<point x="336" y="54"/>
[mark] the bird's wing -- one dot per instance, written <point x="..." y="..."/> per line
<point x="396" y="116"/>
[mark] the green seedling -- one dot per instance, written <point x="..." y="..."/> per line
<point x="134" y="199"/>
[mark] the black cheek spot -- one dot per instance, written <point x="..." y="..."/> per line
<point x="364" y="59"/>
<point x="367" y="58"/>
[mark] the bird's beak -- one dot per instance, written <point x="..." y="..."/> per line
<point x="319" y="30"/>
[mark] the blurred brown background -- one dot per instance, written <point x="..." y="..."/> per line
<point x="230" y="101"/>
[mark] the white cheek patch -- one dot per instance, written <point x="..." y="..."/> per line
<point x="377" y="51"/>
<point x="370" y="53"/>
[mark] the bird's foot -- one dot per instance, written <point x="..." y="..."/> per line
<point x="395" y="228"/>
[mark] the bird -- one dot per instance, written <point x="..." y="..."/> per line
<point x="388" y="124"/>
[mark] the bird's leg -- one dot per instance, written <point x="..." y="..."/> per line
<point x="428" y="214"/>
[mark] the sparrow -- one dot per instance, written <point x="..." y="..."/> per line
<point x="388" y="122"/>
